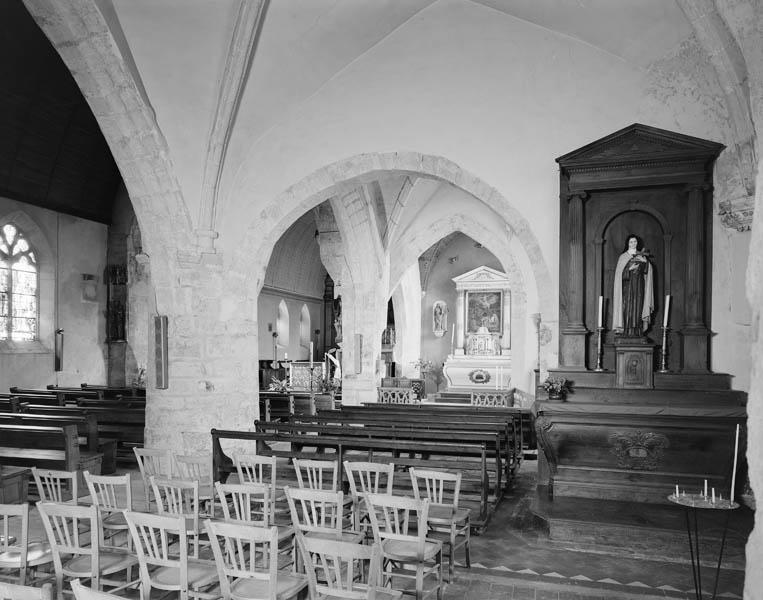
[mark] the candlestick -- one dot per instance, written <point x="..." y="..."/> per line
<point x="664" y="352"/>
<point x="600" y="321"/>
<point x="734" y="470"/>
<point x="599" y="349"/>
<point x="665" y="311"/>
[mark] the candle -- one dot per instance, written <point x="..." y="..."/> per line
<point x="705" y="494"/>
<point x="665" y="311"/>
<point x="601" y="312"/>
<point x="677" y="491"/>
<point x="496" y="378"/>
<point x="452" y="336"/>
<point x="311" y="353"/>
<point x="734" y="470"/>
<point x="713" y="496"/>
<point x="286" y="356"/>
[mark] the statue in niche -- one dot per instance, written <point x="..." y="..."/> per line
<point x="439" y="318"/>
<point x="338" y="318"/>
<point x="633" y="294"/>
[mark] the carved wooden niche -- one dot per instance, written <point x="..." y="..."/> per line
<point x="655" y="184"/>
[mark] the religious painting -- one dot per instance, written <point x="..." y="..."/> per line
<point x="483" y="312"/>
<point x="439" y="318"/>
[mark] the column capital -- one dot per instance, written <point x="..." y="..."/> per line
<point x="697" y="187"/>
<point x="582" y="194"/>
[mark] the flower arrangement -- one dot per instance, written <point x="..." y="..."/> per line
<point x="556" y="385"/>
<point x="424" y="366"/>
<point x="279" y="385"/>
<point x="330" y="384"/>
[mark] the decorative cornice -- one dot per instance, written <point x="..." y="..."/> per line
<point x="737" y="214"/>
<point x="232" y="83"/>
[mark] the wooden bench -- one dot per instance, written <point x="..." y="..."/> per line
<point x="125" y="425"/>
<point x="49" y="399"/>
<point x="63" y="395"/>
<point x="87" y="432"/>
<point x="115" y="392"/>
<point x="523" y="416"/>
<point x="492" y="439"/>
<point x="509" y="418"/>
<point x="444" y="428"/>
<point x="276" y="405"/>
<point x="46" y="447"/>
<point x="433" y="455"/>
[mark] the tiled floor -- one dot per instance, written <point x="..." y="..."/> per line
<point x="515" y="559"/>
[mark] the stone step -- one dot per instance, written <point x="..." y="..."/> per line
<point x="644" y="530"/>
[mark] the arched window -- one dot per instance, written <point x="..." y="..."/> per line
<point x="282" y="324"/>
<point x="304" y="327"/>
<point x="19" y="279"/>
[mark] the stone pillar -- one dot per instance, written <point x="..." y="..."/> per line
<point x="573" y="338"/>
<point x="695" y="335"/>
<point x="460" y="323"/>
<point x="212" y="352"/>
<point x="506" y="320"/>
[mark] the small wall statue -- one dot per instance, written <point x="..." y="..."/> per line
<point x="439" y="318"/>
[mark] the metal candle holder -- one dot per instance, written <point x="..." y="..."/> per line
<point x="664" y="351"/>
<point x="599" y="349"/>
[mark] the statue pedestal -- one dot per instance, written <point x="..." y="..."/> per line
<point x="486" y="372"/>
<point x="634" y="360"/>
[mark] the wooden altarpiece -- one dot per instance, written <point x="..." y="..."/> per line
<point x="617" y="439"/>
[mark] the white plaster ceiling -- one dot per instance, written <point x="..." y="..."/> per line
<point x="639" y="31"/>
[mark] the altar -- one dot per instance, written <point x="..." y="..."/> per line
<point x="481" y="343"/>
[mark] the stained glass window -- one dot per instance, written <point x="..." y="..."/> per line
<point x="18" y="286"/>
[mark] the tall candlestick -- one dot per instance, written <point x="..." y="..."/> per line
<point x="666" y="310"/>
<point x="601" y="311"/>
<point x="734" y="470"/>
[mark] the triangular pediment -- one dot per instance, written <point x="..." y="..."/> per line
<point x="481" y="275"/>
<point x="641" y="142"/>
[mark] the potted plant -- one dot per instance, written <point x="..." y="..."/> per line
<point x="556" y="388"/>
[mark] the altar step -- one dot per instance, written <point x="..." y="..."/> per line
<point x="458" y="397"/>
<point x="643" y="530"/>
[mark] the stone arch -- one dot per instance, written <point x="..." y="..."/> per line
<point x="305" y="194"/>
<point x="91" y="44"/>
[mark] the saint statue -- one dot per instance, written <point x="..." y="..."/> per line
<point x="633" y="294"/>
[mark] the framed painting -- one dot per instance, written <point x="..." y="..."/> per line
<point x="484" y="312"/>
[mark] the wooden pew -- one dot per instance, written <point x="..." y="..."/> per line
<point x="492" y="438"/>
<point x="276" y="405"/>
<point x="434" y="455"/>
<point x="125" y="425"/>
<point x="114" y="392"/>
<point x="502" y="439"/>
<point x="87" y="432"/>
<point x="522" y="416"/>
<point x="420" y="413"/>
<point x="64" y="395"/>
<point x="46" y="447"/>
<point x="116" y="402"/>
<point x="49" y="399"/>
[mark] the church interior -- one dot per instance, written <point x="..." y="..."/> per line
<point x="508" y="242"/>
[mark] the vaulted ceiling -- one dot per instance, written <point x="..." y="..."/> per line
<point x="52" y="152"/>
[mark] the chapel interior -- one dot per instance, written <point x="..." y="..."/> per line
<point x="256" y="221"/>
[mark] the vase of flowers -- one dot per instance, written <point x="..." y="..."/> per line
<point x="556" y="388"/>
<point x="279" y="385"/>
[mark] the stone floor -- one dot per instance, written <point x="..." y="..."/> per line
<point x="515" y="559"/>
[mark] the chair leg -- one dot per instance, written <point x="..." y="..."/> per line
<point x="419" y="581"/>
<point x="439" y="576"/>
